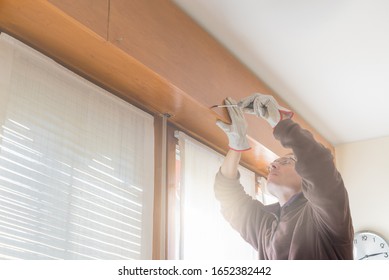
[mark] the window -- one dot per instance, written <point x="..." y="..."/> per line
<point x="263" y="195"/>
<point x="204" y="234"/>
<point x="76" y="165"/>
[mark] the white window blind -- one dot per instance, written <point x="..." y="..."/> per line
<point x="263" y="194"/>
<point x="204" y="234"/>
<point x="76" y="164"/>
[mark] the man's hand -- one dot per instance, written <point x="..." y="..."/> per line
<point x="237" y="130"/>
<point x="265" y="106"/>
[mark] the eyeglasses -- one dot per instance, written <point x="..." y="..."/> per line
<point x="281" y="161"/>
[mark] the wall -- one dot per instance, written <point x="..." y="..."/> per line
<point x="364" y="167"/>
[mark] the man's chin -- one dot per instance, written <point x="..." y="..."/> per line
<point x="272" y="178"/>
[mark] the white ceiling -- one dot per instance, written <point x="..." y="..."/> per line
<point x="328" y="59"/>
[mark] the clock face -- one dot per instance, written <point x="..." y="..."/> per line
<point x="370" y="246"/>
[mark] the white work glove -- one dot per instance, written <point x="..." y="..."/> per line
<point x="265" y="106"/>
<point x="237" y="130"/>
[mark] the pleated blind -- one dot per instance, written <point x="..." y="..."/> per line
<point x="76" y="164"/>
<point x="204" y="233"/>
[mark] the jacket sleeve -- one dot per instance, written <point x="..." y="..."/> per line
<point x="243" y="212"/>
<point x="322" y="184"/>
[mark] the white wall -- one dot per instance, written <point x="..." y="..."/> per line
<point x="365" y="169"/>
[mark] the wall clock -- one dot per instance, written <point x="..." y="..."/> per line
<point x="370" y="246"/>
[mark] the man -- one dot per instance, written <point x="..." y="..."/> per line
<point x="312" y="219"/>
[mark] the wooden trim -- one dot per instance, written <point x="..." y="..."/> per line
<point x="158" y="59"/>
<point x="160" y="215"/>
<point x="158" y="184"/>
<point x="167" y="215"/>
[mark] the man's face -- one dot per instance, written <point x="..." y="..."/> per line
<point x="283" y="176"/>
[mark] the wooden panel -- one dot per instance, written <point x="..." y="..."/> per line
<point x="91" y="13"/>
<point x="159" y="86"/>
<point x="170" y="43"/>
<point x="167" y="41"/>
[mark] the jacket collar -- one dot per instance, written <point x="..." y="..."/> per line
<point x="294" y="202"/>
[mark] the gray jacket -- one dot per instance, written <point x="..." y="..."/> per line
<point x="314" y="224"/>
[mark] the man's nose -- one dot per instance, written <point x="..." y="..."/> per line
<point x="274" y="165"/>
